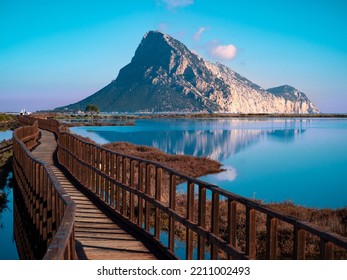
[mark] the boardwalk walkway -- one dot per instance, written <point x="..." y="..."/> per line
<point x="96" y="235"/>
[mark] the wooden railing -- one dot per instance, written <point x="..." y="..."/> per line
<point x="50" y="210"/>
<point x="214" y="223"/>
<point x="6" y="146"/>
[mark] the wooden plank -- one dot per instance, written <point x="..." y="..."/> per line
<point x="147" y="195"/>
<point x="96" y="235"/>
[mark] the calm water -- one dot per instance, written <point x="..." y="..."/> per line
<point x="298" y="160"/>
<point x="8" y="248"/>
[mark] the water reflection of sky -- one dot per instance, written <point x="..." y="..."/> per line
<point x="272" y="159"/>
<point x="5" y="135"/>
<point x="216" y="139"/>
<point x="8" y="247"/>
<point x="7" y="243"/>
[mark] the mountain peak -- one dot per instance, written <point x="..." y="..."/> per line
<point x="283" y="88"/>
<point x="156" y="49"/>
<point x="155" y="33"/>
<point x="164" y="75"/>
<point x="292" y="94"/>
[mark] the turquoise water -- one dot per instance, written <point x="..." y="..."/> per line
<point x="274" y="160"/>
<point x="5" y="135"/>
<point x="8" y="248"/>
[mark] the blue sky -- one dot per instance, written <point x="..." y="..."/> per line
<point x="53" y="53"/>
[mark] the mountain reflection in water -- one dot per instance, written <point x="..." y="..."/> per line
<point x="215" y="144"/>
<point x="270" y="159"/>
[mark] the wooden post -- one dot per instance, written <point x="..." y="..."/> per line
<point x="41" y="197"/>
<point x="94" y="164"/>
<point x="299" y="243"/>
<point x="107" y="185"/>
<point x="49" y="210"/>
<point x="36" y="188"/>
<point x="98" y="179"/>
<point x="53" y="205"/>
<point x="102" y="169"/>
<point x="132" y="185"/>
<point x="158" y="198"/>
<point x="56" y="211"/>
<point x="172" y="202"/>
<point x="148" y="192"/>
<point x="44" y="212"/>
<point x="88" y="170"/>
<point x="215" y="223"/>
<point x="271" y="238"/>
<point x="232" y="232"/>
<point x="118" y="175"/>
<point x="112" y="187"/>
<point x="250" y="233"/>
<point x="140" y="200"/>
<point x="124" y="181"/>
<point x="202" y="221"/>
<point x="77" y="164"/>
<point x="326" y="250"/>
<point x="190" y="217"/>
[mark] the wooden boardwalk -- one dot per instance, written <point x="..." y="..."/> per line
<point x="136" y="211"/>
<point x="97" y="236"/>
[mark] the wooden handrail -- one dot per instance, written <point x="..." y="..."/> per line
<point x="50" y="209"/>
<point x="6" y="147"/>
<point x="134" y="188"/>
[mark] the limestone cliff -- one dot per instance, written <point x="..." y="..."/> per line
<point x="165" y="76"/>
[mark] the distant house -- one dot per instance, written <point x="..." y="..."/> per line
<point x="23" y="112"/>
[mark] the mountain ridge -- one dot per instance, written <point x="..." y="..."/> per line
<point x="165" y="76"/>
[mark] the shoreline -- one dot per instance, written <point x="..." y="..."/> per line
<point x="329" y="219"/>
<point x="129" y="115"/>
<point x="136" y="150"/>
<point x="128" y="119"/>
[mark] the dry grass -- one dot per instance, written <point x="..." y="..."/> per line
<point x="5" y="156"/>
<point x="328" y="219"/>
<point x="334" y="220"/>
<point x="188" y="165"/>
<point x="8" y="122"/>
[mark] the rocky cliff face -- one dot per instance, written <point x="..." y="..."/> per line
<point x="165" y="76"/>
<point x="295" y="100"/>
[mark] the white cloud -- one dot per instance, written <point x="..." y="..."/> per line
<point x="197" y="34"/>
<point x="172" y="4"/>
<point x="224" y="52"/>
<point x="229" y="175"/>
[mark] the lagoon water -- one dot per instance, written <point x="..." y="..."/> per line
<point x="274" y="160"/>
<point x="8" y="245"/>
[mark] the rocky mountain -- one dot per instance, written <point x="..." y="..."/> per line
<point x="299" y="100"/>
<point x="165" y="76"/>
